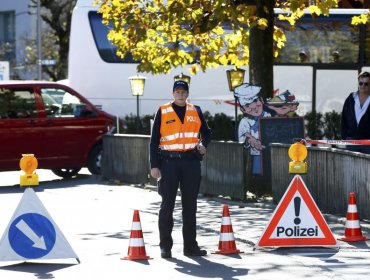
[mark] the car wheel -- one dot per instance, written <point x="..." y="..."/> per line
<point x="94" y="160"/>
<point x="66" y="172"/>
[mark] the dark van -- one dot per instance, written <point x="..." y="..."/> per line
<point x="52" y="121"/>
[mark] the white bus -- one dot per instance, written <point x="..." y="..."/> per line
<point x="319" y="66"/>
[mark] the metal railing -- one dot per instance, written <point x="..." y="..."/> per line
<point x="224" y="168"/>
<point x="332" y="174"/>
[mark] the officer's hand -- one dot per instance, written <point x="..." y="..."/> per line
<point x="202" y="150"/>
<point x="155" y="172"/>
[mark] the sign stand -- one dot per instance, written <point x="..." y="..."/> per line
<point x="33" y="235"/>
<point x="297" y="221"/>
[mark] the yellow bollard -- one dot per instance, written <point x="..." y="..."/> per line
<point x="297" y="153"/>
<point x="28" y="164"/>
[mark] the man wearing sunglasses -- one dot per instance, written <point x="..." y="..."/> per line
<point x="355" y="124"/>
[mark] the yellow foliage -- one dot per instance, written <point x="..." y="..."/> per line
<point x="166" y="34"/>
<point x="361" y="19"/>
<point x="314" y="10"/>
<point x="223" y="60"/>
<point x="262" y="23"/>
<point x="279" y="38"/>
<point x="193" y="69"/>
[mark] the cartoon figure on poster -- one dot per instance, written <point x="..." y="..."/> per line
<point x="283" y="105"/>
<point x="254" y="107"/>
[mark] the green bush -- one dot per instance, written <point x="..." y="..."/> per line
<point x="332" y="125"/>
<point x="314" y="125"/>
<point x="132" y="125"/>
<point x="317" y="125"/>
<point x="222" y="126"/>
<point x="145" y="124"/>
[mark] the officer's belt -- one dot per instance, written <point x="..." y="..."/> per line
<point x="178" y="155"/>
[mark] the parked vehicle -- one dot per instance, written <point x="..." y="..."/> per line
<point x="55" y="123"/>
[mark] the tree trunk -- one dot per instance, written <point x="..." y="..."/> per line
<point x="261" y="50"/>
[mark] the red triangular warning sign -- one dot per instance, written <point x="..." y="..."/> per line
<point x="297" y="221"/>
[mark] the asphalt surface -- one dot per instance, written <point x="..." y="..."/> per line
<point x="96" y="216"/>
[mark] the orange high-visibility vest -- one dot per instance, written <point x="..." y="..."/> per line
<point x="177" y="136"/>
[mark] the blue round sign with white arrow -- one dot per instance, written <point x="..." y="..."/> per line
<point x="32" y="235"/>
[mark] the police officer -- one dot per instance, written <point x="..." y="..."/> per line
<point x="179" y="139"/>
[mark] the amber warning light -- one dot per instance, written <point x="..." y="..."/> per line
<point x="297" y="153"/>
<point x="28" y="164"/>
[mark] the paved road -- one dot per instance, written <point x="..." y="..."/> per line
<point x="96" y="218"/>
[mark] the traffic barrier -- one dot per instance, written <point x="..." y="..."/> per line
<point x="226" y="244"/>
<point x="335" y="142"/>
<point x="136" y="249"/>
<point x="353" y="231"/>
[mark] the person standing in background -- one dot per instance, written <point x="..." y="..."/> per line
<point x="355" y="122"/>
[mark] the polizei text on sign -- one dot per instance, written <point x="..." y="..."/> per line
<point x="297" y="231"/>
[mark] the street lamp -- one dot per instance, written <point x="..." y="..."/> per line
<point x="137" y="84"/>
<point x="182" y="77"/>
<point x="39" y="54"/>
<point x="235" y="77"/>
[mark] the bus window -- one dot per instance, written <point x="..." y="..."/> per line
<point x="321" y="40"/>
<point x="106" y="49"/>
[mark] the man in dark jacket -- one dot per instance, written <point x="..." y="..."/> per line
<point x="356" y="114"/>
<point x="181" y="133"/>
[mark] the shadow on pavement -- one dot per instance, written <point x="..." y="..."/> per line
<point x="314" y="252"/>
<point x="79" y="180"/>
<point x="208" y="269"/>
<point x="359" y="245"/>
<point x="40" y="270"/>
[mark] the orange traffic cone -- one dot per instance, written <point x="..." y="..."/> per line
<point x="136" y="249"/>
<point x="226" y="245"/>
<point x="353" y="231"/>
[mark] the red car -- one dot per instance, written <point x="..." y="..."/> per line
<point x="52" y="121"/>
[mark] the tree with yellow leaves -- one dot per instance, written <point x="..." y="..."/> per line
<point x="162" y="35"/>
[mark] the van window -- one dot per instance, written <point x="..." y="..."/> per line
<point x="61" y="103"/>
<point x="17" y="104"/>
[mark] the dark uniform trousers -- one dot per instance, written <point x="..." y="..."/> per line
<point x="186" y="173"/>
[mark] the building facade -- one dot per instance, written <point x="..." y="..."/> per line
<point x="18" y="21"/>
